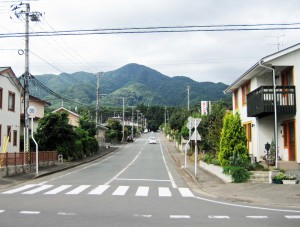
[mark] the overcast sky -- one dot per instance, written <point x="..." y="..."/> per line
<point x="202" y="56"/>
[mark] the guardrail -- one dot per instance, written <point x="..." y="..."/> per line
<point x="21" y="158"/>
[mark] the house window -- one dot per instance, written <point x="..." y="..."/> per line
<point x="11" y="101"/>
<point x="1" y="97"/>
<point x="245" y="92"/>
<point x="236" y="99"/>
<point x="9" y="132"/>
<point x="248" y="130"/>
<point x="15" y="138"/>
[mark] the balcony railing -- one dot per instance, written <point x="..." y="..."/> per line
<point x="260" y="102"/>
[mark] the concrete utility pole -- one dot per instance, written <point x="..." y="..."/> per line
<point x="123" y="125"/>
<point x="188" y="88"/>
<point x="98" y="98"/>
<point x="35" y="17"/>
<point x="137" y="120"/>
<point x="132" y="122"/>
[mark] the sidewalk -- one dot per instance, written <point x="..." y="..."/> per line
<point x="249" y="193"/>
<point x="6" y="182"/>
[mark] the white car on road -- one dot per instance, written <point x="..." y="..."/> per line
<point x="152" y="140"/>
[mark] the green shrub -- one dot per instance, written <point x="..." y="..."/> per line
<point x="239" y="174"/>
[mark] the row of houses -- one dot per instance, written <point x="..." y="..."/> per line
<point x="12" y="112"/>
<point x="253" y="98"/>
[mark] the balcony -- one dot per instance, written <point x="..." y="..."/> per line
<point x="260" y="102"/>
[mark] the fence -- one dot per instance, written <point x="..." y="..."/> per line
<point x="21" y="158"/>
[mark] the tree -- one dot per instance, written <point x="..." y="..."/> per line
<point x="55" y="133"/>
<point x="115" y="130"/>
<point x="87" y="124"/>
<point x="233" y="143"/>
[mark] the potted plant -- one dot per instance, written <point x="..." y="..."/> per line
<point x="290" y="179"/>
<point x="277" y="179"/>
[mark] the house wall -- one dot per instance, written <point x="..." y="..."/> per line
<point x="293" y="59"/>
<point x="9" y="118"/>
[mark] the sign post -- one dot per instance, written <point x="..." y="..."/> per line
<point x="193" y="123"/>
<point x="31" y="112"/>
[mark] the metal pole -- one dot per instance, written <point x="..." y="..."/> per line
<point x="188" y="97"/>
<point x="132" y="122"/>
<point x="275" y="112"/>
<point x="36" y="150"/>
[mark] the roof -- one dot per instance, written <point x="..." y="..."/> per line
<point x="256" y="69"/>
<point x="64" y="109"/>
<point x="12" y="76"/>
<point x="33" y="98"/>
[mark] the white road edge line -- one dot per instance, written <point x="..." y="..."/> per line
<point x="245" y="206"/>
<point x="168" y="170"/>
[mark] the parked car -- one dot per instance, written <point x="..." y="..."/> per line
<point x="152" y="140"/>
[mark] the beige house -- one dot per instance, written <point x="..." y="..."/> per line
<point x="10" y="110"/>
<point x="40" y="111"/>
<point x="73" y="117"/>
<point x="253" y="96"/>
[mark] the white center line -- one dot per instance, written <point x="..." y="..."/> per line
<point x="30" y="212"/>
<point x="180" y="216"/>
<point x="2" y="211"/>
<point x="257" y="217"/>
<point x="218" y="217"/>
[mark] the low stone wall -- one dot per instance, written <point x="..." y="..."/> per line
<point x="19" y="169"/>
<point x="216" y="170"/>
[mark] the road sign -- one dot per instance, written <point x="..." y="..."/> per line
<point x="196" y="136"/>
<point x="31" y="111"/>
<point x="193" y="122"/>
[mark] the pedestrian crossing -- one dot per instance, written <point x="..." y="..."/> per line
<point x="115" y="190"/>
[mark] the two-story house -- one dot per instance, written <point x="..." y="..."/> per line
<point x="10" y="110"/>
<point x="73" y="117"/>
<point x="253" y="96"/>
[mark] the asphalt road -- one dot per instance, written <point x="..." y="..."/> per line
<point x="137" y="185"/>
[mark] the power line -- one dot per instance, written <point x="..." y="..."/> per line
<point x="163" y="29"/>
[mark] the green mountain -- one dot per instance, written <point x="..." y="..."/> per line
<point x="136" y="83"/>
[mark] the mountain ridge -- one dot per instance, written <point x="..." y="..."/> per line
<point x="136" y="83"/>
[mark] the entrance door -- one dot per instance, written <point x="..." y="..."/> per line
<point x="289" y="139"/>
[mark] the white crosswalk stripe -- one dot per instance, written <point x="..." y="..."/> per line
<point x="99" y="190"/>
<point x="39" y="189"/>
<point x="121" y="190"/>
<point x="78" y="190"/>
<point x="58" y="190"/>
<point x="140" y="191"/>
<point x="164" y="192"/>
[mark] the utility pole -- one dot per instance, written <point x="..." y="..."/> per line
<point x="98" y="97"/>
<point x="132" y="122"/>
<point x="123" y="125"/>
<point x="35" y="17"/>
<point x="188" y="88"/>
<point x="165" y="118"/>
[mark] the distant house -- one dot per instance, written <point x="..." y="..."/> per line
<point x="73" y="117"/>
<point x="40" y="110"/>
<point x="253" y="97"/>
<point x="10" y="109"/>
